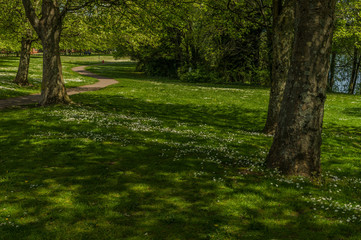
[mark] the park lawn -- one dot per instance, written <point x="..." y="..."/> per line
<point x="153" y="158"/>
<point x="9" y="66"/>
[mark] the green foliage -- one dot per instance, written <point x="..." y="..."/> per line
<point x="200" y="35"/>
<point x="346" y="42"/>
<point x="199" y="75"/>
<point x="13" y="25"/>
<point x="88" y="28"/>
<point x="348" y="25"/>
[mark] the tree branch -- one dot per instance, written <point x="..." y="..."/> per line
<point x="31" y="15"/>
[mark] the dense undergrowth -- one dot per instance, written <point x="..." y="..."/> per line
<point x="152" y="158"/>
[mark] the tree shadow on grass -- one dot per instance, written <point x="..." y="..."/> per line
<point x="228" y="118"/>
<point x="355" y="112"/>
<point x="4" y="61"/>
<point x="140" y="196"/>
<point x="145" y="180"/>
<point x="74" y="187"/>
<point x="341" y="149"/>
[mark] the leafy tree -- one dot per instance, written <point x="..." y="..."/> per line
<point x="87" y="30"/>
<point x="47" y="20"/>
<point x="347" y="39"/>
<point x="199" y="39"/>
<point x="16" y="29"/>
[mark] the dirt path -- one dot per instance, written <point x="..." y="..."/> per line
<point x="35" y="98"/>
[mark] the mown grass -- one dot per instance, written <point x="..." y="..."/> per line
<point x="9" y="66"/>
<point x="153" y="158"/>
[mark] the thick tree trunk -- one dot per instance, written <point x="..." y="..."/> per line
<point x="52" y="88"/>
<point x="48" y="27"/>
<point x="331" y="78"/>
<point x="23" y="70"/>
<point x="296" y="148"/>
<point x="283" y="36"/>
<point x="354" y="74"/>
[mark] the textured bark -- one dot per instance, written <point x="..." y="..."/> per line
<point x="331" y="78"/>
<point x="23" y="70"/>
<point x="49" y="29"/>
<point x="52" y="89"/>
<point x="296" y="148"/>
<point x="283" y="37"/>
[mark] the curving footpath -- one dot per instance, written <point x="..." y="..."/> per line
<point x="35" y="98"/>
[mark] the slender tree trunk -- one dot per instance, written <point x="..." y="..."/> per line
<point x="270" y="55"/>
<point x="355" y="65"/>
<point x="23" y="70"/>
<point x="296" y="148"/>
<point x="255" y="45"/>
<point x="331" y="78"/>
<point x="283" y="36"/>
<point x="356" y="75"/>
<point x="195" y="57"/>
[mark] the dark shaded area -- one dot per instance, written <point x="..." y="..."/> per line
<point x="355" y="112"/>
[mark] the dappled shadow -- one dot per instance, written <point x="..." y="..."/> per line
<point x="79" y="188"/>
<point x="103" y="187"/>
<point x="355" y="112"/>
<point x="96" y="189"/>
<point x="229" y="118"/>
<point x="117" y="167"/>
<point x="341" y="149"/>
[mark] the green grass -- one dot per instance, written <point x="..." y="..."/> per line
<point x="9" y="66"/>
<point x="153" y="158"/>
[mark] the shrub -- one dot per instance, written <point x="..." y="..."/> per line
<point x="199" y="75"/>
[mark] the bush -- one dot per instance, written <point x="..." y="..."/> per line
<point x="198" y="76"/>
<point x="159" y="67"/>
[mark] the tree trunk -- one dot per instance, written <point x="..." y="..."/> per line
<point x="52" y="88"/>
<point x="356" y="75"/>
<point x="331" y="78"/>
<point x="48" y="28"/>
<point x="270" y="55"/>
<point x="296" y="148"/>
<point x="23" y="70"/>
<point x="283" y="36"/>
<point x="255" y="45"/>
<point x="355" y="66"/>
